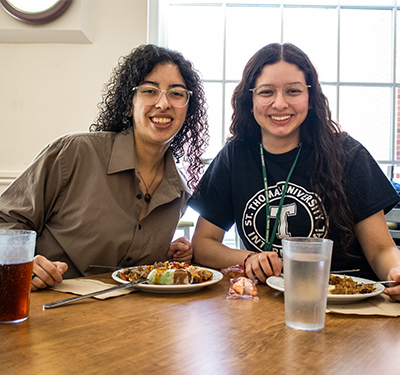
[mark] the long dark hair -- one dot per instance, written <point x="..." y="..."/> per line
<point x="115" y="109"/>
<point x="318" y="130"/>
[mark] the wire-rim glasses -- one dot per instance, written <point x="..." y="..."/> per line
<point x="150" y="95"/>
<point x="292" y="92"/>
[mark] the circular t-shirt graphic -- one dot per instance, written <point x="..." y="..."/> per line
<point x="302" y="215"/>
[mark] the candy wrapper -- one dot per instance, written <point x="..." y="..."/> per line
<point x="243" y="288"/>
<point x="234" y="271"/>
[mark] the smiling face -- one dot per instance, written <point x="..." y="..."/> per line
<point x="280" y="121"/>
<point x="157" y="124"/>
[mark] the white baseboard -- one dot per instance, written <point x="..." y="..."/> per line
<point x="6" y="178"/>
<point x="4" y="182"/>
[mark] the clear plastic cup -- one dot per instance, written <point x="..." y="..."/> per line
<point x="17" y="249"/>
<point x="306" y="263"/>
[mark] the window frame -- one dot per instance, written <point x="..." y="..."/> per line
<point x="391" y="167"/>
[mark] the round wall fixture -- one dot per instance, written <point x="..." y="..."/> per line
<point x="35" y="12"/>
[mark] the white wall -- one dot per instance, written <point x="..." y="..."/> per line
<point x="51" y="76"/>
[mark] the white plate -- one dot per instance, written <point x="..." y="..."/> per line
<point x="277" y="283"/>
<point x="217" y="276"/>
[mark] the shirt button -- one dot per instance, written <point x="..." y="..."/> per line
<point x="139" y="196"/>
<point x="128" y="259"/>
<point x="140" y="226"/>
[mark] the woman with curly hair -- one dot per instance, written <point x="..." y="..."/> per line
<point x="114" y="196"/>
<point x="289" y="171"/>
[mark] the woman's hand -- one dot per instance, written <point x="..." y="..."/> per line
<point x="46" y="273"/>
<point x="180" y="250"/>
<point x="263" y="265"/>
<point x="394" y="291"/>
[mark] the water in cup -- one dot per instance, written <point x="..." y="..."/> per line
<point x="305" y="298"/>
<point x="16" y="263"/>
<point x="306" y="279"/>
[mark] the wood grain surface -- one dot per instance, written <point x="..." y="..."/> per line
<point x="192" y="333"/>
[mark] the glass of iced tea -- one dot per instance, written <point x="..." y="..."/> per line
<point x="17" y="248"/>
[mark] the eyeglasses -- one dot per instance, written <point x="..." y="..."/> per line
<point x="150" y="95"/>
<point x="293" y="93"/>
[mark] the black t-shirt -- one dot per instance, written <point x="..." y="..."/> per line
<point x="232" y="192"/>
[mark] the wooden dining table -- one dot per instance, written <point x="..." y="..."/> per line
<point x="196" y="333"/>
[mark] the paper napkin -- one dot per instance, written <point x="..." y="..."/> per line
<point x="85" y="286"/>
<point x="379" y="305"/>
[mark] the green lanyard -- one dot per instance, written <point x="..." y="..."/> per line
<point x="268" y="244"/>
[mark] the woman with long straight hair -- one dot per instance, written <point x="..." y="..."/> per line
<point x="290" y="171"/>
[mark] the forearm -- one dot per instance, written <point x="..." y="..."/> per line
<point x="384" y="261"/>
<point x="211" y="253"/>
<point x="208" y="249"/>
<point x="377" y="244"/>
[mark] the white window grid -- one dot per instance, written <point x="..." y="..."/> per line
<point x="159" y="26"/>
<point x="338" y="90"/>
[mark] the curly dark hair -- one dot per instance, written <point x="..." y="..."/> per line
<point x="318" y="130"/>
<point x="115" y="109"/>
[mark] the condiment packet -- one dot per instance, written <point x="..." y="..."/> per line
<point x="243" y="288"/>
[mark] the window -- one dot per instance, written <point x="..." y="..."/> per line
<point x="355" y="45"/>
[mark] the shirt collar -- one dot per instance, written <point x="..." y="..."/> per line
<point x="123" y="157"/>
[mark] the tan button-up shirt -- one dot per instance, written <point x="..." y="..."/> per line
<point x="82" y="196"/>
